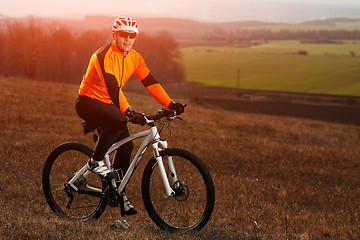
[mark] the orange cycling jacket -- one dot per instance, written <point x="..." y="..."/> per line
<point x="108" y="71"/>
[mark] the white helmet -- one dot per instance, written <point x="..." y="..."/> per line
<point x="125" y="24"/>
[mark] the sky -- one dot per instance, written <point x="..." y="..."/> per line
<point x="291" y="11"/>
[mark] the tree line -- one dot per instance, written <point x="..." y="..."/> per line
<point x="268" y="34"/>
<point x="54" y="52"/>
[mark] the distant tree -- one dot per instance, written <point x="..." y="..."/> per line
<point x="162" y="56"/>
<point x="51" y="51"/>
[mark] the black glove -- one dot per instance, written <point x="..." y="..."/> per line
<point x="134" y="117"/>
<point x="178" y="107"/>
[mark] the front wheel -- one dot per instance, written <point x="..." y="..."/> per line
<point x="191" y="205"/>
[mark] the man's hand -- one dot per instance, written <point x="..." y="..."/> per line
<point x="134" y="117"/>
<point x="178" y="107"/>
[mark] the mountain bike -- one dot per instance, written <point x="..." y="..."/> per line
<point x="177" y="188"/>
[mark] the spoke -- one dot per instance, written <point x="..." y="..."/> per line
<point x="198" y="189"/>
<point x="63" y="165"/>
<point x="84" y="207"/>
<point x="165" y="204"/>
<point x="60" y="188"/>
<point x="185" y="209"/>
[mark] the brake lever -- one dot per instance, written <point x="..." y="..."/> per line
<point x="170" y="118"/>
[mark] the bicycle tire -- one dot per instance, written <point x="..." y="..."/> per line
<point x="189" y="210"/>
<point x="62" y="163"/>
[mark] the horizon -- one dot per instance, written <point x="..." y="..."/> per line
<point x="280" y="11"/>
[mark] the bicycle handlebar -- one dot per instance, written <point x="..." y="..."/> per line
<point x="169" y="114"/>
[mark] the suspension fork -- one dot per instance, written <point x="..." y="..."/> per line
<point x="172" y="169"/>
<point x="160" y="163"/>
<point x="159" y="160"/>
<point x="169" y="162"/>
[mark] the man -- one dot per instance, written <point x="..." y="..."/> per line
<point x="102" y="103"/>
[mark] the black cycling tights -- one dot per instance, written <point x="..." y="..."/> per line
<point x="113" y="128"/>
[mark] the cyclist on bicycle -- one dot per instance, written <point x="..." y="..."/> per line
<point x="102" y="103"/>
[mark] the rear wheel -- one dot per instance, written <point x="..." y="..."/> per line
<point x="193" y="202"/>
<point x="61" y="165"/>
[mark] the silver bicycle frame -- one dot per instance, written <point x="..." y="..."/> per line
<point x="151" y="136"/>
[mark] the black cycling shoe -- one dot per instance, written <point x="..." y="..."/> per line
<point x="126" y="207"/>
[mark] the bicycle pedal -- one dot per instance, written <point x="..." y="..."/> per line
<point x="112" y="195"/>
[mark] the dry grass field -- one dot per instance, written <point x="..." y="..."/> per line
<point x="276" y="177"/>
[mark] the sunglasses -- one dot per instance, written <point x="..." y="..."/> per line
<point x="126" y="34"/>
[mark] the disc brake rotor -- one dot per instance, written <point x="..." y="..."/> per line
<point x="181" y="191"/>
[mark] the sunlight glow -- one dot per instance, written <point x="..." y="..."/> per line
<point x="211" y="10"/>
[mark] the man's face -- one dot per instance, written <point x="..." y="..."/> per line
<point x="124" y="40"/>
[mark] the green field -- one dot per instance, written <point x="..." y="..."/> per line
<point x="328" y="68"/>
<point x="310" y="27"/>
<point x="327" y="25"/>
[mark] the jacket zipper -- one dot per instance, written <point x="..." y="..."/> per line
<point x="122" y="71"/>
